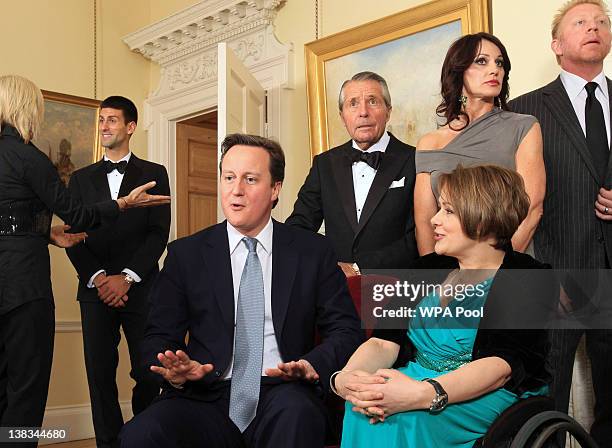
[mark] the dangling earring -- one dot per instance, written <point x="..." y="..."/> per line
<point x="463" y="100"/>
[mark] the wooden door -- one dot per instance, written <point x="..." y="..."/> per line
<point x="196" y="159"/>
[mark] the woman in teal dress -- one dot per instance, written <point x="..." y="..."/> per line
<point x="460" y="375"/>
<point x="478" y="129"/>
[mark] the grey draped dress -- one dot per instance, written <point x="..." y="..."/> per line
<point x="491" y="139"/>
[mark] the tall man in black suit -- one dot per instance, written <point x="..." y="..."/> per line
<point x="575" y="230"/>
<point x="116" y="266"/>
<point x="251" y="293"/>
<point x="363" y="189"/>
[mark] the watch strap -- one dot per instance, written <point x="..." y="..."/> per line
<point x="440" y="401"/>
<point x="437" y="386"/>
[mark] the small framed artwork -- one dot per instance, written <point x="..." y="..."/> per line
<point x="407" y="49"/>
<point x="69" y="134"/>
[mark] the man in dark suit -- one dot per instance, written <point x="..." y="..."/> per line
<point x="116" y="266"/>
<point x="363" y="189"/>
<point x="575" y="230"/>
<point x="252" y="294"/>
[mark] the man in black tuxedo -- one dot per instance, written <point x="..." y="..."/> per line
<point x="116" y="266"/>
<point x="576" y="231"/>
<point x="252" y="295"/>
<point x="363" y="189"/>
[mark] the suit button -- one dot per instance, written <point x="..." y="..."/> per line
<point x="600" y="239"/>
<point x="217" y="373"/>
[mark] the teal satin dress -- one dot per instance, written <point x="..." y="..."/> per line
<point x="441" y="349"/>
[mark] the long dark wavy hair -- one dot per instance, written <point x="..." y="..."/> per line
<point x="459" y="57"/>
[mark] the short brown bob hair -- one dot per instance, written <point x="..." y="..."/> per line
<point x="490" y="201"/>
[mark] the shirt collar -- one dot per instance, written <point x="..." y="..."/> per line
<point x="126" y="157"/>
<point x="574" y="84"/>
<point x="380" y="145"/>
<point x="8" y="129"/>
<point x="264" y="238"/>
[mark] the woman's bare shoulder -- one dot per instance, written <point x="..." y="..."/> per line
<point x="434" y="140"/>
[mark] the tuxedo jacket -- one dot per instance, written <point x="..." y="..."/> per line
<point x="384" y="235"/>
<point x="194" y="295"/>
<point x="136" y="240"/>
<point x="569" y="234"/>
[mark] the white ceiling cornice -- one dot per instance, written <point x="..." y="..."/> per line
<point x="199" y="26"/>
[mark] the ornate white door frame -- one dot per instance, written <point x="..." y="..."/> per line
<point x="185" y="46"/>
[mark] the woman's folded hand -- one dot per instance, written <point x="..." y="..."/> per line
<point x="398" y="393"/>
<point x="355" y="377"/>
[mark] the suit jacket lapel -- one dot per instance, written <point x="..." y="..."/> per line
<point x="392" y="162"/>
<point x="343" y="176"/>
<point x="100" y="181"/>
<point x="217" y="259"/>
<point x="284" y="269"/>
<point x="133" y="173"/>
<point x="556" y="99"/>
<point x="608" y="175"/>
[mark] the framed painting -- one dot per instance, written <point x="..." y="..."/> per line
<point x="69" y="134"/>
<point x="407" y="49"/>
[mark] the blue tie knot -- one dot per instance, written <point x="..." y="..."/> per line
<point x="250" y="243"/>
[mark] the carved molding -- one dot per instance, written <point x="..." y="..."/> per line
<point x="202" y="68"/>
<point x="202" y="25"/>
<point x="253" y="49"/>
<point x="185" y="44"/>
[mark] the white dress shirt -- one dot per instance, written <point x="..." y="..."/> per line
<point x="114" y="184"/>
<point x="363" y="174"/>
<point x="238" y="256"/>
<point x="574" y="86"/>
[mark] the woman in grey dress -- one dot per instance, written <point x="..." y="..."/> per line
<point x="478" y="130"/>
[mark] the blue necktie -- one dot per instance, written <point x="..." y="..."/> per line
<point x="248" y="345"/>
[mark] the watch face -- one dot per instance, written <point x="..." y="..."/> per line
<point x="439" y="402"/>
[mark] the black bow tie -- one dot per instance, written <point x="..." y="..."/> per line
<point x="119" y="166"/>
<point x="371" y="158"/>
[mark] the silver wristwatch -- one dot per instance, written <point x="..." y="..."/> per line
<point x="128" y="279"/>
<point x="440" y="401"/>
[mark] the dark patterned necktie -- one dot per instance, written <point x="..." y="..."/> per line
<point x="596" y="134"/>
<point x="371" y="158"/>
<point x="248" y="345"/>
<point x="110" y="166"/>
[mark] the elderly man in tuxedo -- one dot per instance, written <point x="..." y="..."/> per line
<point x="363" y="189"/>
<point x="251" y="294"/>
<point x="576" y="231"/>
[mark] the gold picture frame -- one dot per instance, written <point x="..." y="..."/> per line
<point x="69" y="133"/>
<point x="342" y="52"/>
